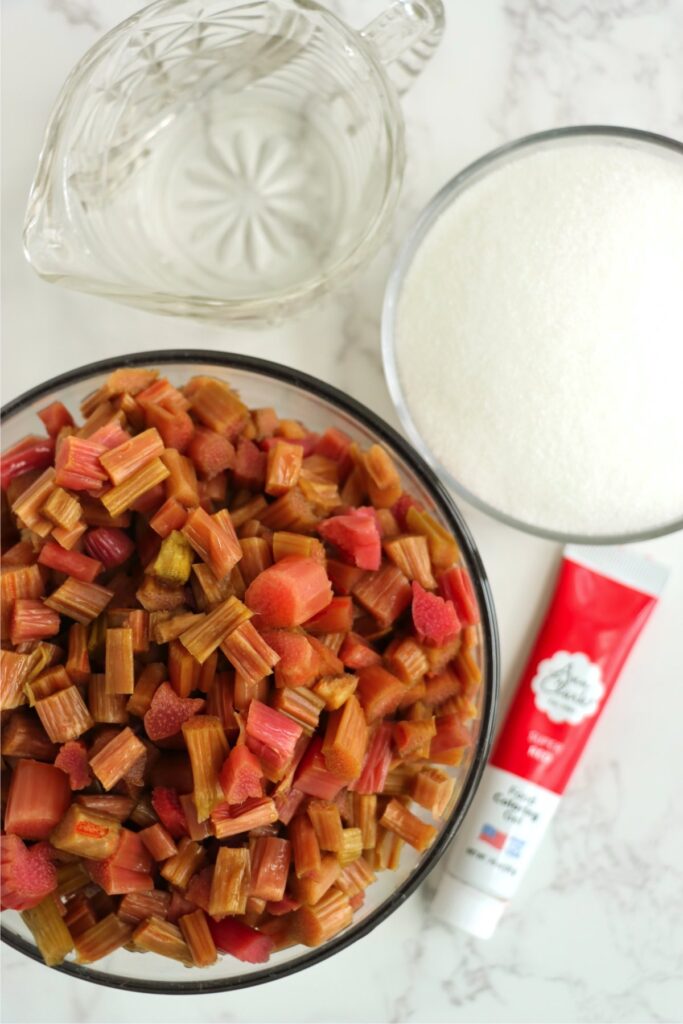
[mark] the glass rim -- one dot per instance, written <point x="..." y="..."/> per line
<point x="245" y="309"/>
<point x="489" y="641"/>
<point x="446" y="195"/>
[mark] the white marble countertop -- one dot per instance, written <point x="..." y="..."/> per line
<point x="596" y="931"/>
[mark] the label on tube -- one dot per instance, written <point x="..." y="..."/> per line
<point x="602" y="599"/>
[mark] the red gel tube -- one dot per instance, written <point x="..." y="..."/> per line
<point x="602" y="599"/>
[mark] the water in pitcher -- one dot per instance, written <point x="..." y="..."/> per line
<point x="247" y="181"/>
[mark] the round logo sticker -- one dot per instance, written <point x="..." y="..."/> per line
<point x="568" y="687"/>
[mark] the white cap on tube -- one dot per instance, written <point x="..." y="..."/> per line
<point x="472" y="910"/>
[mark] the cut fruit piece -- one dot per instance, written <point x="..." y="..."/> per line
<point x="168" y="712"/>
<point x="241" y="776"/>
<point x="73" y="759"/>
<point x="241" y="941"/>
<point x="275" y="734"/>
<point x="167" y="805"/>
<point x="313" y="777"/>
<point x="32" y="453"/>
<point x="290" y="592"/>
<point x="456" y="585"/>
<point x="27" y="875"/>
<point x="435" y="620"/>
<point x="39" y="795"/>
<point x="346" y="740"/>
<point x="356" y="535"/>
<point x="299" y="663"/>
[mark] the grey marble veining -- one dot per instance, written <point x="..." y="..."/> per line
<point x="596" y="931"/>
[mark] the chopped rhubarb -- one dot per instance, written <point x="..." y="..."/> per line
<point x="313" y="777"/>
<point x="64" y="715"/>
<point x="333" y="444"/>
<point x="171" y="516"/>
<point x="256" y="556"/>
<point x="270" y="857"/>
<point x="168" y="807"/>
<point x="216" y="405"/>
<point x="433" y="789"/>
<point x="197" y="935"/>
<point x="103" y="938"/>
<point x="283" y="466"/>
<point x="183" y="669"/>
<point x="211" y="452"/>
<point x="455" y="585"/>
<point x="55" y="416"/>
<point x="337" y="617"/>
<point x="230" y="882"/>
<point x="167" y="712"/>
<point x="241" y="776"/>
<point x="380" y="692"/>
<point x="217" y="706"/>
<point x="452" y="735"/>
<point x="385" y="594"/>
<point x="299" y="662"/>
<point x="27" y="875"/>
<point x="355" y="652"/>
<point x="73" y="759"/>
<point x="78" y="464"/>
<point x="117" y="758"/>
<point x="345" y="740"/>
<point x="79" y="600"/>
<point x="162" y="393"/>
<point x="32" y="453"/>
<point x="290" y="592"/>
<point x="206" y="634"/>
<point x="214" y="539"/>
<point x="356" y="535"/>
<point x="112" y="547"/>
<point x="411" y="555"/>
<point x="32" y="620"/>
<point x="86" y="834"/>
<point x="272" y="730"/>
<point x="290" y="512"/>
<point x="207" y="746"/>
<point x="230" y="821"/>
<point x="39" y="794"/>
<point x="52" y="937"/>
<point x="137" y="906"/>
<point x="397" y="818"/>
<point x="110" y="435"/>
<point x="241" y="941"/>
<point x="435" y="620"/>
<point x="249" y="653"/>
<point x="382" y="479"/>
<point x="123" y="461"/>
<point x="176" y="429"/>
<point x="287" y="804"/>
<point x="250" y="466"/>
<point x="443" y="548"/>
<point x="377" y="761"/>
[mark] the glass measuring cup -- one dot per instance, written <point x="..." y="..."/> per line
<point x="226" y="159"/>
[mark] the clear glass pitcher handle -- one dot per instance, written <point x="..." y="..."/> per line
<point x="405" y="35"/>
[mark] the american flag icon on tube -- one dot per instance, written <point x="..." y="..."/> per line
<point x="493" y="836"/>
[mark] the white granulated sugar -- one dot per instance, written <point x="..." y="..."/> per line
<point x="539" y="338"/>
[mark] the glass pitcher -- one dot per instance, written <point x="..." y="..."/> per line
<point x="226" y="159"/>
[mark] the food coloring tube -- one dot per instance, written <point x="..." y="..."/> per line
<point x="602" y="599"/>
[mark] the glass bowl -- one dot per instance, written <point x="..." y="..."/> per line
<point x="319" y="405"/>
<point x="625" y="138"/>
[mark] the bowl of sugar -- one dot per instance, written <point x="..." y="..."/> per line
<point x="533" y="339"/>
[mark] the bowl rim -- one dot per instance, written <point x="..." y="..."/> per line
<point x="490" y="646"/>
<point x="446" y="195"/>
